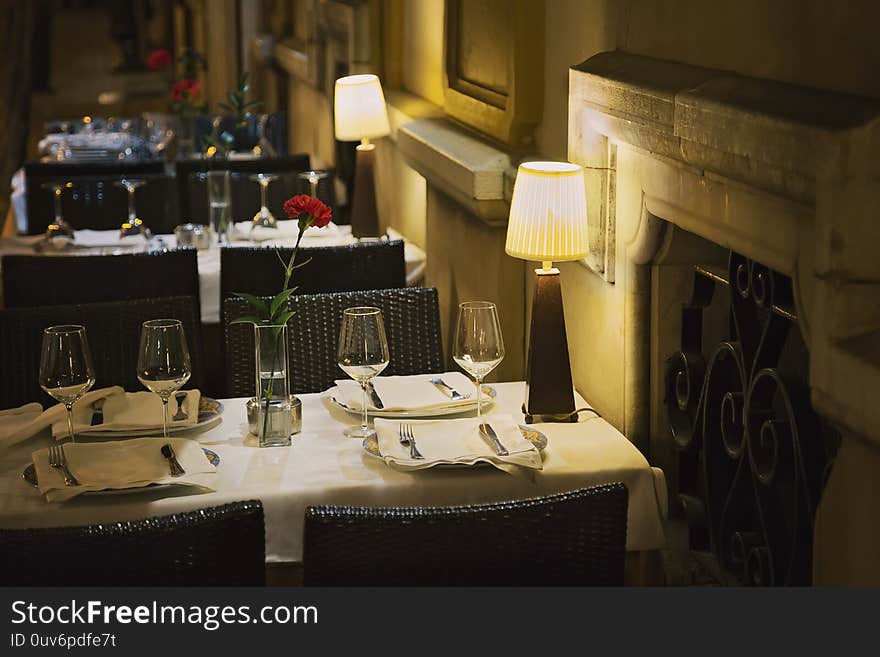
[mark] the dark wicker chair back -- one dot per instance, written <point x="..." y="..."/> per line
<point x="217" y="546"/>
<point x="412" y="324"/>
<point x="94" y="201"/>
<point x="113" y="330"/>
<point x="576" y="538"/>
<point x="54" y="280"/>
<point x="192" y="188"/>
<point x="361" y="266"/>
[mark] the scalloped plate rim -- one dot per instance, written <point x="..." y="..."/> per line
<point x="488" y="400"/>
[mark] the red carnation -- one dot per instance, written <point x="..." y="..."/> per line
<point x="184" y="89"/>
<point x="309" y="210"/>
<point x="159" y="59"/>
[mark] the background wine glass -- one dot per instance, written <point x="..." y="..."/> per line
<point x="264" y="217"/>
<point x="163" y="361"/>
<point x="66" y="370"/>
<point x="479" y="347"/>
<point x="363" y="354"/>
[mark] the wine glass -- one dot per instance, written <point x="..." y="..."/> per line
<point x="264" y="217"/>
<point x="163" y="361"/>
<point x="66" y="370"/>
<point x="132" y="225"/>
<point x="479" y="347"/>
<point x="59" y="226"/>
<point x="363" y="353"/>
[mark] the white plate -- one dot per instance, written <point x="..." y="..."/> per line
<point x="488" y="399"/>
<point x="210" y="411"/>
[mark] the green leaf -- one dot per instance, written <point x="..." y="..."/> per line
<point x="303" y="263"/>
<point x="225" y="107"/>
<point x="259" y="305"/>
<point x="247" y="319"/>
<point x="283" y="317"/>
<point x="279" y="300"/>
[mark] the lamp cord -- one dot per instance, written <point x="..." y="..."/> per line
<point x="591" y="410"/>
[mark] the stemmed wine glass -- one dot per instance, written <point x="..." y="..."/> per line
<point x="264" y="217"/>
<point x="59" y="227"/>
<point x="132" y="225"/>
<point x="163" y="361"/>
<point x="66" y="370"/>
<point x="479" y="347"/>
<point x="363" y="353"/>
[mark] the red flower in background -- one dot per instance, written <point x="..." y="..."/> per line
<point x="159" y="59"/>
<point x="181" y="88"/>
<point x="303" y="204"/>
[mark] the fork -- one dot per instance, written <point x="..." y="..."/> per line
<point x="455" y="394"/>
<point x="58" y="460"/>
<point x="407" y="438"/>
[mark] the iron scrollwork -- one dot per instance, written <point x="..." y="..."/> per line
<point x="752" y="454"/>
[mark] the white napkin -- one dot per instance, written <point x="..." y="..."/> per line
<point x="94" y="238"/>
<point x="130" y="410"/>
<point x="416" y="392"/>
<point x="30" y="423"/>
<point x="130" y="463"/>
<point x="456" y="442"/>
<point x="287" y="229"/>
<point x="15" y="422"/>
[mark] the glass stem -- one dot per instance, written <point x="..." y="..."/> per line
<point x="263" y="187"/>
<point x="164" y="417"/>
<point x="132" y="215"/>
<point x="70" y="422"/>
<point x="479" y="392"/>
<point x="365" y="420"/>
<point x="58" y="216"/>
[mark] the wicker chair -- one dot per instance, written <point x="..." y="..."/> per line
<point x="52" y="280"/>
<point x="192" y="190"/>
<point x="93" y="200"/>
<point x="576" y="538"/>
<point x="113" y="331"/>
<point x="217" y="546"/>
<point x="361" y="266"/>
<point x="412" y="324"/>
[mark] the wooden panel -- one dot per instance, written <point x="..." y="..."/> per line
<point x="495" y="66"/>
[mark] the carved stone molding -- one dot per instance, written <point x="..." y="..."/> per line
<point x="785" y="175"/>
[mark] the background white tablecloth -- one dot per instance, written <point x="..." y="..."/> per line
<point x="209" y="259"/>
<point x="324" y="467"/>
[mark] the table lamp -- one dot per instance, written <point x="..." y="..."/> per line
<point x="548" y="221"/>
<point x="360" y="115"/>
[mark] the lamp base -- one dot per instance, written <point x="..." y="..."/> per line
<point x="549" y="392"/>
<point x="364" y="215"/>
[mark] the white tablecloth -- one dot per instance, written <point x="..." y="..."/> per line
<point x="209" y="259"/>
<point x="324" y="467"/>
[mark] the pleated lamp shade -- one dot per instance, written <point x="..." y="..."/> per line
<point x="359" y="108"/>
<point x="548" y="213"/>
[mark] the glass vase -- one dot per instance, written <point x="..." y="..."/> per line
<point x="219" y="204"/>
<point x="185" y="130"/>
<point x="272" y="387"/>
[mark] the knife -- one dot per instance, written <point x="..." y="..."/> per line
<point x="377" y="401"/>
<point x="444" y="387"/>
<point x="168" y="453"/>
<point x="98" y="412"/>
<point x="487" y="431"/>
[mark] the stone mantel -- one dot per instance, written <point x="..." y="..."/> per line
<point x="786" y="175"/>
<point x="468" y="169"/>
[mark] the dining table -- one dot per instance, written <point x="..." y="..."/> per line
<point x="108" y="243"/>
<point x="322" y="466"/>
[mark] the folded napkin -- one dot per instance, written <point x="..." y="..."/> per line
<point x="456" y="442"/>
<point x="19" y="427"/>
<point x="94" y="238"/>
<point x="130" y="411"/>
<point x="128" y="463"/>
<point x="287" y="229"/>
<point x="410" y="393"/>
